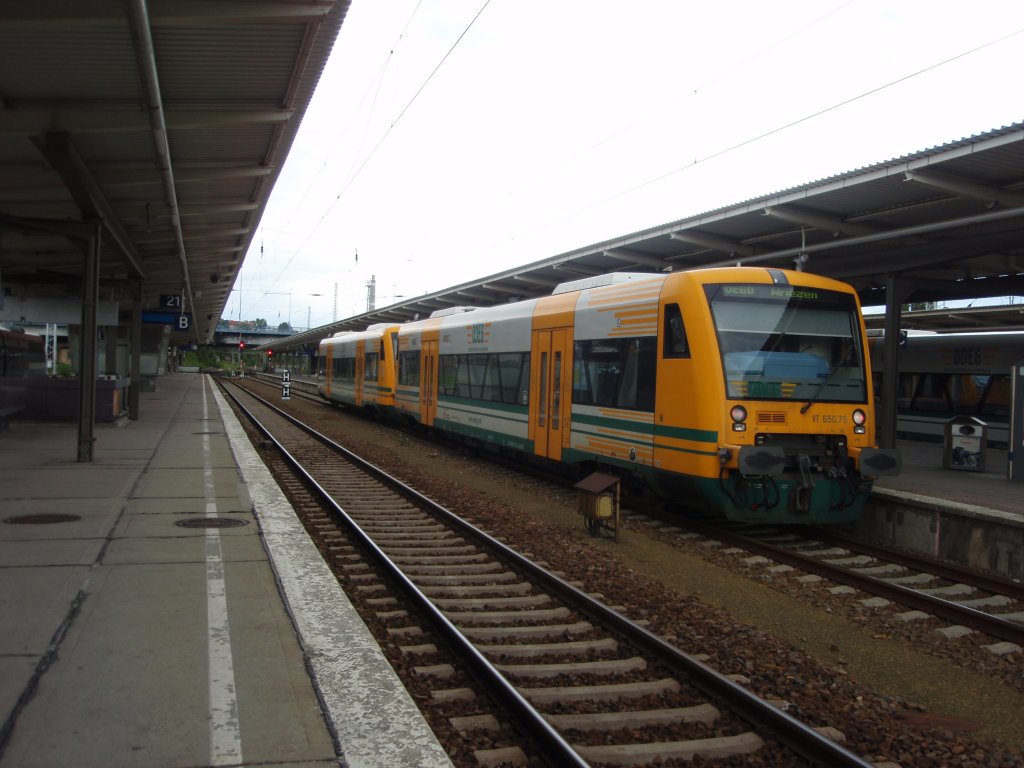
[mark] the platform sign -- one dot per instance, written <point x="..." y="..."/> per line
<point x="180" y="320"/>
<point x="286" y="385"/>
<point x="1015" y="456"/>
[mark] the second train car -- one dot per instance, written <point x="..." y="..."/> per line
<point x="745" y="389"/>
<point x="953" y="374"/>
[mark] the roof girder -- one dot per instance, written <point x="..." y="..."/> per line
<point x="60" y="151"/>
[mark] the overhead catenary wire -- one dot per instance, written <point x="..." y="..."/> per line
<point x="353" y="176"/>
<point x="771" y="132"/>
<point x="698" y="157"/>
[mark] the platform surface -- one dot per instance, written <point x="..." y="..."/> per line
<point x="127" y="639"/>
<point x="924" y="475"/>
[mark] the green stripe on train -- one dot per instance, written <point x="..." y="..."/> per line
<point x="646" y="427"/>
<point x="642" y="438"/>
<point x="487" y="435"/>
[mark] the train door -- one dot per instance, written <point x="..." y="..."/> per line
<point x="550" y="383"/>
<point x="357" y="394"/>
<point x="428" y="383"/>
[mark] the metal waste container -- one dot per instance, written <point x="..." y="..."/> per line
<point x="966" y="438"/>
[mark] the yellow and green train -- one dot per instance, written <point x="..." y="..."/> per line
<point x="745" y="390"/>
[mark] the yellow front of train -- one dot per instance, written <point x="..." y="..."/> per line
<point x="765" y="400"/>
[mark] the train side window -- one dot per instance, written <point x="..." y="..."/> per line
<point x="490" y="389"/>
<point x="409" y="368"/>
<point x="995" y="400"/>
<point x="370" y="365"/>
<point x="615" y="373"/>
<point x="515" y="377"/>
<point x="674" y="334"/>
<point x="446" y="382"/>
<point x="932" y="393"/>
<point x="462" y="377"/>
<point x="345" y="367"/>
<point x="511" y="367"/>
<point x="477" y="376"/>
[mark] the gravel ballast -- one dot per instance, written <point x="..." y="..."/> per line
<point x="892" y="698"/>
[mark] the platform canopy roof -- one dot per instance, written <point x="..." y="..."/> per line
<point x="163" y="122"/>
<point x="947" y="222"/>
<point x="167" y="122"/>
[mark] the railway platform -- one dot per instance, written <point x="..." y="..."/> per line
<point x="924" y="475"/>
<point x="134" y="633"/>
<point x="973" y="518"/>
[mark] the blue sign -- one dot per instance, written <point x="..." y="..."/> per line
<point x="180" y="320"/>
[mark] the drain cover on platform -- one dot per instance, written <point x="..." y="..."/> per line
<point x="41" y="519"/>
<point x="211" y="522"/>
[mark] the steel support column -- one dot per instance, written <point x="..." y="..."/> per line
<point x="135" y="350"/>
<point x="87" y="389"/>
<point x="896" y="290"/>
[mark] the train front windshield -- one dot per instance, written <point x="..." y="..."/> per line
<point x="787" y="343"/>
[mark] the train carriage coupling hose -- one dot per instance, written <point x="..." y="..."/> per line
<point x="803" y="462"/>
<point x="770" y="482"/>
<point x="737" y="497"/>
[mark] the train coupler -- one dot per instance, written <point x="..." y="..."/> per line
<point x="802" y="492"/>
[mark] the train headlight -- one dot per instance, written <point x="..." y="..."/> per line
<point x="739" y="418"/>
<point x="859" y="420"/>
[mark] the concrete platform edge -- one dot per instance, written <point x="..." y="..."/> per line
<point x="372" y="718"/>
<point x="954" y="507"/>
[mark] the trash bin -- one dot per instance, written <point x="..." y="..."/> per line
<point x="966" y="438"/>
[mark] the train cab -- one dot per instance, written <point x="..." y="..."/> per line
<point x="765" y="395"/>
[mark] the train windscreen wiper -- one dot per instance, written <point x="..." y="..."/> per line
<point x="828" y="377"/>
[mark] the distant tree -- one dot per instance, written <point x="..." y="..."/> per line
<point x="260" y="324"/>
<point x="284" y="327"/>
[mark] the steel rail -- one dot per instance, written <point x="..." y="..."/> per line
<point x="529" y="719"/>
<point x="988" y="582"/>
<point x="798" y="736"/>
<point x="945" y="609"/>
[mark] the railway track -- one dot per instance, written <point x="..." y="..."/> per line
<point x="928" y="587"/>
<point x="967" y="599"/>
<point x="583" y="684"/>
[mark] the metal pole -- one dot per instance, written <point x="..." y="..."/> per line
<point x="135" y="352"/>
<point x="895" y="291"/>
<point x="87" y="388"/>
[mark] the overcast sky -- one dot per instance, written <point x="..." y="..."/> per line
<point x="452" y="139"/>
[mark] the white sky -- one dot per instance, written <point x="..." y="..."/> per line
<point x="555" y="124"/>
